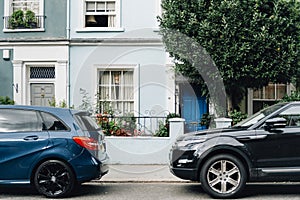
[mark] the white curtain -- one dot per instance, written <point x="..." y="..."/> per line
<point x="104" y="85"/>
<point x="111" y="20"/>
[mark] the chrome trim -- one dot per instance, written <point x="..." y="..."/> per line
<point x="252" y="137"/>
<point x="184" y="161"/>
<point x="280" y="170"/>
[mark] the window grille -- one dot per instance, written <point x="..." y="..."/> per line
<point x="42" y="72"/>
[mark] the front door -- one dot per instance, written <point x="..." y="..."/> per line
<point x="41" y="93"/>
<point x="192" y="108"/>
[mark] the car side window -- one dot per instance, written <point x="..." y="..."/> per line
<point x="292" y="115"/>
<point x="52" y="123"/>
<point x="18" y="120"/>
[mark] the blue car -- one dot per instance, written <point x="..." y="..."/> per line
<point x="53" y="149"/>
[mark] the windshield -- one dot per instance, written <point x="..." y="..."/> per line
<point x="259" y="115"/>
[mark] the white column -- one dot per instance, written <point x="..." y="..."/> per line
<point x="61" y="81"/>
<point x="19" y="87"/>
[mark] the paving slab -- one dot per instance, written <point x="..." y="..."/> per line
<point x="140" y="173"/>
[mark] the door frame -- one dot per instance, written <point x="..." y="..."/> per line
<point x="38" y="81"/>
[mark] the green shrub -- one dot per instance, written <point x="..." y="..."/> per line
<point x="6" y="100"/>
<point x="295" y="96"/>
<point x="164" y="127"/>
<point x="237" y="116"/>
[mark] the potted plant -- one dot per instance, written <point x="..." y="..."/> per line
<point x="20" y="20"/>
<point x="17" y="19"/>
<point x="30" y="19"/>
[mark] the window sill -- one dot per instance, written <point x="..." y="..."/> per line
<point x="23" y="30"/>
<point x="102" y="29"/>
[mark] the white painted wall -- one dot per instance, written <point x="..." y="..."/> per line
<point x="154" y="84"/>
<point x="24" y="56"/>
<point x="144" y="150"/>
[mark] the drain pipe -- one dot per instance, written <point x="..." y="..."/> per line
<point x="69" y="65"/>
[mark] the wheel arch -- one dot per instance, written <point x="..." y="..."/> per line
<point x="226" y="150"/>
<point x="46" y="159"/>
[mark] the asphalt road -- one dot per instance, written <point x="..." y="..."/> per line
<point x="157" y="191"/>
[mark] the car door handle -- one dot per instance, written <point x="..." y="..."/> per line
<point x="31" y="137"/>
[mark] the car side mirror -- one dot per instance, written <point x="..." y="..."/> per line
<point x="277" y="122"/>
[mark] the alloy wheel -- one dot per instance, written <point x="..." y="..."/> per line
<point x="54" y="178"/>
<point x="223" y="176"/>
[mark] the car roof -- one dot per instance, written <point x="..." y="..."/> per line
<point x="29" y="107"/>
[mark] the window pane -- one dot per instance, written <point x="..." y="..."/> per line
<point x="32" y="5"/>
<point x="281" y="91"/>
<point x="13" y="120"/>
<point x="270" y="91"/>
<point x="101" y="7"/>
<point x="52" y="123"/>
<point x="294" y="110"/>
<point x="90" y="6"/>
<point x="118" y="87"/>
<point x="110" y="7"/>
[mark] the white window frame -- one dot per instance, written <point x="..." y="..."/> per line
<point x="251" y="99"/>
<point x="116" y="28"/>
<point x="133" y="68"/>
<point x="8" y="9"/>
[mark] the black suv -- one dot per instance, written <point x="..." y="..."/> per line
<point x="264" y="147"/>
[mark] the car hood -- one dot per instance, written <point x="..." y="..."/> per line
<point x="211" y="133"/>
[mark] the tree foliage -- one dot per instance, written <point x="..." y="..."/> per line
<point x="252" y="42"/>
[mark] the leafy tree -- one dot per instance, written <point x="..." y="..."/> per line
<point x="251" y="42"/>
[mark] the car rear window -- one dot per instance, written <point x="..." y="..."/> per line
<point x="86" y="123"/>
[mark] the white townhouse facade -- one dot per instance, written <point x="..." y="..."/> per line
<point x="118" y="59"/>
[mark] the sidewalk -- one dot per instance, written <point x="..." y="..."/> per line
<point x="140" y="173"/>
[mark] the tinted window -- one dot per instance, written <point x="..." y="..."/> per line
<point x="292" y="115"/>
<point x="51" y="123"/>
<point x="16" y="120"/>
<point x="86" y="123"/>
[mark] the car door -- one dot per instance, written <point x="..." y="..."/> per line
<point x="21" y="141"/>
<point x="280" y="147"/>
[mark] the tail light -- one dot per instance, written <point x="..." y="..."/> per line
<point x="87" y="142"/>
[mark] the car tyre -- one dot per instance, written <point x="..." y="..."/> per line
<point x="54" y="178"/>
<point x="223" y="176"/>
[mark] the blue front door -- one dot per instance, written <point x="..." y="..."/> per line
<point x="192" y="108"/>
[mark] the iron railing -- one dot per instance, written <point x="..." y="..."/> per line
<point x="37" y="23"/>
<point x="130" y="125"/>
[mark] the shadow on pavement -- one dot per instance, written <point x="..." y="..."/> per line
<point x="272" y="189"/>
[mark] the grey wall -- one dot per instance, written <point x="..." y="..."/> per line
<point x="6" y="76"/>
<point x="55" y="12"/>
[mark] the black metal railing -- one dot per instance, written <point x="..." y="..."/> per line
<point x="130" y="125"/>
<point x="11" y="23"/>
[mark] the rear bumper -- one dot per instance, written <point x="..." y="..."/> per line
<point x="103" y="166"/>
<point x="88" y="168"/>
<point x="185" y="173"/>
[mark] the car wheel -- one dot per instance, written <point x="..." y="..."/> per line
<point x="54" y="178"/>
<point x="223" y="176"/>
